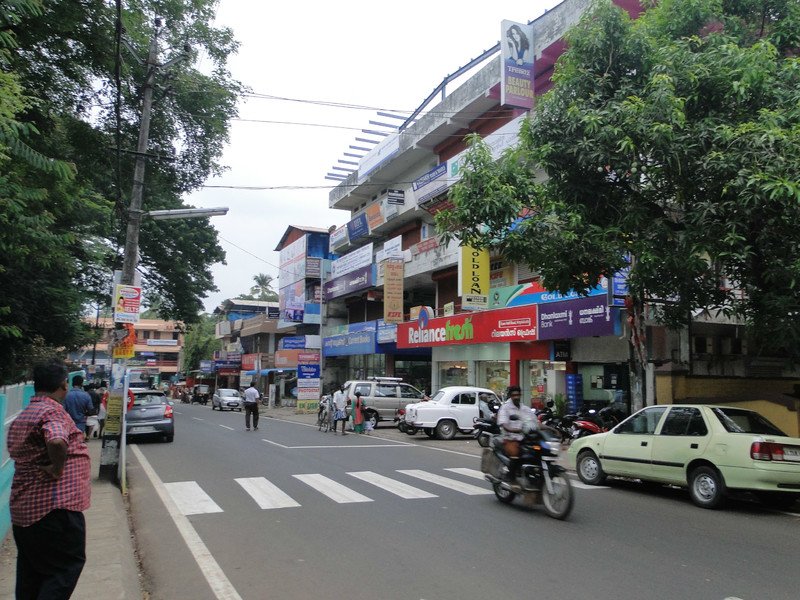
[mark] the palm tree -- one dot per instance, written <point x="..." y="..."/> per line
<point x="262" y="290"/>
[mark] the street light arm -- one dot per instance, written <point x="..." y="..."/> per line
<point x="186" y="213"/>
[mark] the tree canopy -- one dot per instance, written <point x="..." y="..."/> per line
<point x="64" y="187"/>
<point x="262" y="290"/>
<point x="672" y="140"/>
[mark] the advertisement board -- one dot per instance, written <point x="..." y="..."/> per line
<point x="386" y="333"/>
<point x="127" y="300"/>
<point x="293" y="262"/>
<point x="286" y="358"/>
<point x="473" y="278"/>
<point x="357" y="227"/>
<point x="359" y="279"/>
<point x="505" y="325"/>
<point x="524" y="294"/>
<point x="516" y="75"/>
<point x="124" y="348"/>
<point x="338" y="238"/>
<point x="351" y="343"/>
<point x="352" y="261"/>
<point x="250" y="362"/>
<point x="431" y="184"/>
<point x="393" y="290"/>
<point x="581" y="317"/>
<point x="374" y="216"/>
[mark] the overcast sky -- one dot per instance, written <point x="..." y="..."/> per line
<point x="367" y="53"/>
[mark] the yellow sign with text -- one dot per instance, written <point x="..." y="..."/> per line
<point x="473" y="278"/>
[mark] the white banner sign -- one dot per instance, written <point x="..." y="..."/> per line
<point x="352" y="261"/>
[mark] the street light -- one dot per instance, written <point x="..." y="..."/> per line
<point x="186" y="213"/>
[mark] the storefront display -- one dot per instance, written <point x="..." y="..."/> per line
<point x="495" y="375"/>
<point x="452" y="373"/>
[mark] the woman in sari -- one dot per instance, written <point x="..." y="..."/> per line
<point x="358" y="414"/>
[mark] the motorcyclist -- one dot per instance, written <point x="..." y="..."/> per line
<point x="514" y="419"/>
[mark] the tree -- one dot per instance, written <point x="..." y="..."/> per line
<point x="671" y="141"/>
<point x="262" y="290"/>
<point x="200" y="342"/>
<point x="63" y="187"/>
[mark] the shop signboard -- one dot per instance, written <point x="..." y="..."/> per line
<point x="516" y="76"/>
<point x="562" y="351"/>
<point x="375" y="217"/>
<point x="162" y="342"/>
<point x="219" y="365"/>
<point x="473" y="278"/>
<point x="449" y="309"/>
<point x="308" y="393"/>
<point x="359" y="279"/>
<point x="393" y="291"/>
<point x="292" y="262"/>
<point x="286" y="358"/>
<point x="273" y="312"/>
<point x="524" y="294"/>
<point x="382" y="152"/>
<point x="581" y="317"/>
<point x="352" y="261"/>
<point x="250" y="362"/>
<point x="619" y="288"/>
<point x="505" y="325"/>
<point x="313" y="270"/>
<point x="386" y="333"/>
<point x="357" y="227"/>
<point x="207" y="366"/>
<point x="312" y="314"/>
<point x="307" y="358"/>
<point x="351" y="343"/>
<point x="392" y="248"/>
<point x="338" y="238"/>
<point x="307" y="372"/>
<point x="292" y="342"/>
<point x="431" y="184"/>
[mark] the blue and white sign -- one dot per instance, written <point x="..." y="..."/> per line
<point x="358" y="227"/>
<point x="619" y="288"/>
<point x="308" y="371"/>
<point x="386" y="332"/>
<point x="430" y="185"/>
<point x="292" y="342"/>
<point x="348" y="344"/>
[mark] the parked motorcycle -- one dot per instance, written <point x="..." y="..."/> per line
<point x="539" y="480"/>
<point x="597" y="422"/>
<point x="549" y="420"/>
<point x="485" y="429"/>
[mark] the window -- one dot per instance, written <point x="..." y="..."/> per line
<point x="468" y="398"/>
<point x="643" y="422"/>
<point x="684" y="421"/>
<point x="386" y="390"/>
<point x="407" y="391"/>
<point x="738" y="420"/>
<point x="364" y="389"/>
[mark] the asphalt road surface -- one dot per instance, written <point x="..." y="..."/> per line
<point x="288" y="512"/>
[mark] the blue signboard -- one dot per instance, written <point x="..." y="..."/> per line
<point x="292" y="342"/>
<point x="308" y="371"/>
<point x="351" y="343"/>
<point x="618" y="288"/>
<point x="358" y="227"/>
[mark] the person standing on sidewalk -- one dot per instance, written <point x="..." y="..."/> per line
<point x="251" y="398"/>
<point x="340" y="409"/>
<point x="78" y="403"/>
<point x="50" y="490"/>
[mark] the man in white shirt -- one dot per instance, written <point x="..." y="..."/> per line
<point x="510" y="418"/>
<point x="251" y="398"/>
<point x="340" y="408"/>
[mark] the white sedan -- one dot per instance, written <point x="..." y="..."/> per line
<point x="451" y="410"/>
<point x="711" y="450"/>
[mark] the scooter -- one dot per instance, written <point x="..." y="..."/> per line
<point x="539" y="480"/>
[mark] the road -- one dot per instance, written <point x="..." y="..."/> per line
<point x="291" y="512"/>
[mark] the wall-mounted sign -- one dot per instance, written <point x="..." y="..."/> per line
<point x="473" y="278"/>
<point x="338" y="238"/>
<point x="359" y="279"/>
<point x="374" y="216"/>
<point x="313" y="268"/>
<point x="162" y="342"/>
<point x="351" y="261"/>
<point x="393" y="290"/>
<point x="516" y="81"/>
<point x="358" y="227"/>
<point x="396" y="196"/>
<point x="431" y="184"/>
<point x="581" y="317"/>
<point x="449" y="309"/>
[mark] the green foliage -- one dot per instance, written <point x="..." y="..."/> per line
<point x="200" y="342"/>
<point x="262" y="290"/>
<point x="674" y="139"/>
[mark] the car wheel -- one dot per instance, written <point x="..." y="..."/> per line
<point x="411" y="430"/>
<point x="706" y="487"/>
<point x="446" y="430"/>
<point x="779" y="500"/>
<point x="169" y="438"/>
<point x="429" y="431"/>
<point x="372" y="417"/>
<point x="589" y="469"/>
<point x="503" y="494"/>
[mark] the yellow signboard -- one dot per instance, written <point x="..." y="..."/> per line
<point x="393" y="291"/>
<point x="473" y="278"/>
<point x="113" y="424"/>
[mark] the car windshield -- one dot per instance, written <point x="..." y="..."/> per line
<point x="148" y="399"/>
<point x="737" y="420"/>
<point x="225" y="392"/>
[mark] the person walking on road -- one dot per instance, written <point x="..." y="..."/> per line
<point x="358" y="414"/>
<point x="251" y="398"/>
<point x="78" y="403"/>
<point x="50" y="490"/>
<point x="340" y="410"/>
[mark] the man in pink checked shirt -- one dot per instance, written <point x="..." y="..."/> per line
<point x="50" y="490"/>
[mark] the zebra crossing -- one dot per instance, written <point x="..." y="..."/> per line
<point x="190" y="498"/>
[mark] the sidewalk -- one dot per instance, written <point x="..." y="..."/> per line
<point x="111" y="570"/>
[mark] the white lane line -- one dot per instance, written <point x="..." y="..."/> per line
<point x="225" y="426"/>
<point x="474" y="473"/>
<point x="791" y="514"/>
<point x="398" y="488"/>
<point x="198" y="419"/>
<point x="576" y="483"/>
<point x="453" y="484"/>
<point x="335" y="491"/>
<point x="274" y="443"/>
<point x="333" y="447"/>
<point x="220" y="584"/>
<point x="190" y="498"/>
<point x="265" y="493"/>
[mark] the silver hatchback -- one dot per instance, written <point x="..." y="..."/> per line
<point x="226" y="399"/>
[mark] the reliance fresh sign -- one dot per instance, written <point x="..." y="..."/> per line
<point x="516" y="324"/>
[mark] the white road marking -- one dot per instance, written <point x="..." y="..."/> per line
<point x="791" y="514"/>
<point x="220" y="584"/>
<point x="225" y="426"/>
<point x="265" y="493"/>
<point x="335" y="491"/>
<point x="474" y="473"/>
<point x="398" y="488"/>
<point x="190" y="498"/>
<point x="453" y="484"/>
<point x="198" y="419"/>
<point x="334" y="447"/>
<point x="576" y="483"/>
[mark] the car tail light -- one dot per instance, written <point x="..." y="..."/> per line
<point x="167" y="412"/>
<point x="766" y="451"/>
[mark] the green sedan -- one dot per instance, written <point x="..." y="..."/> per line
<point x="711" y="450"/>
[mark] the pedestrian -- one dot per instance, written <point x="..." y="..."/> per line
<point x="78" y="403"/>
<point x="358" y="414"/>
<point x="340" y="411"/>
<point x="50" y="490"/>
<point x="251" y="398"/>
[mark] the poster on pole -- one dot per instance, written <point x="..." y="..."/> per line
<point x="123" y="347"/>
<point x="127" y="300"/>
<point x="393" y="272"/>
<point x="516" y="84"/>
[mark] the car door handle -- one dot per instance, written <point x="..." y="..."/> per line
<point x="693" y="446"/>
<point x="644" y="443"/>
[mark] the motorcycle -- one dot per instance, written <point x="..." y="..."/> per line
<point x="539" y="479"/>
<point x="486" y="426"/>
<point x="596" y="422"/>
<point x="548" y="419"/>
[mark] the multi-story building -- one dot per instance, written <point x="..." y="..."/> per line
<point x="548" y="343"/>
<point x="157" y="349"/>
